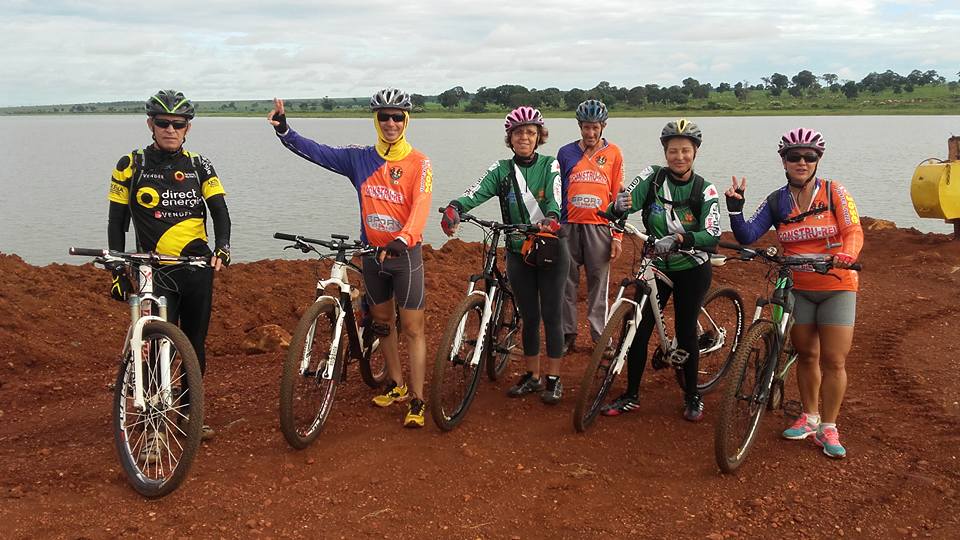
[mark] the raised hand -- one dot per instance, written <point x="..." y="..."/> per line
<point x="278" y="116"/>
<point x="734" y="195"/>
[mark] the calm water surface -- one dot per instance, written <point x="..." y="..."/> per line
<point x="56" y="170"/>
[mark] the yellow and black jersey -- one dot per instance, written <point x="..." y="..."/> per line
<point x="167" y="194"/>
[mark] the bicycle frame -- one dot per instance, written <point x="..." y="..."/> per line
<point x="493" y="278"/>
<point x="140" y="315"/>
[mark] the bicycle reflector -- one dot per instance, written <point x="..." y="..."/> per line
<point x="772" y="251"/>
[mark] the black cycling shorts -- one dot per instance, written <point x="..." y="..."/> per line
<point x="400" y="277"/>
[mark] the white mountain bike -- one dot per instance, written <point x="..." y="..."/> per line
<point x="719" y="327"/>
<point x="158" y="396"/>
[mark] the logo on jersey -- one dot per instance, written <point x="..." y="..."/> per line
<point x="383" y="193"/>
<point x="426" y="181"/>
<point x="179" y="176"/>
<point x="148" y="197"/>
<point x="601" y="161"/>
<point x="383" y="223"/>
<point x="586" y="201"/>
<point x="395" y="174"/>
<point x="711" y="193"/>
<point x="854" y="215"/>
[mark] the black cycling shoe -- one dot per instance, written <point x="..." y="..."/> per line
<point x="553" y="392"/>
<point x="526" y="385"/>
<point x="693" y="411"/>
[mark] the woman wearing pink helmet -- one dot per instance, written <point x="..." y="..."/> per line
<point x="812" y="216"/>
<point x="528" y="187"/>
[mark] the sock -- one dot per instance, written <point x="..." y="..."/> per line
<point x="825" y="425"/>
<point x="813" y="419"/>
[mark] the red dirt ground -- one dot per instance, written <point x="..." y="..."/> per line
<point x="514" y="468"/>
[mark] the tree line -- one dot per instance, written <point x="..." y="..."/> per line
<point x="803" y="84"/>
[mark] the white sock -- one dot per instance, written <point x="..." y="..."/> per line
<point x="826" y="425"/>
<point x="813" y="419"/>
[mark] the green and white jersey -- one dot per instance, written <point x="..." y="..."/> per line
<point x="539" y="185"/>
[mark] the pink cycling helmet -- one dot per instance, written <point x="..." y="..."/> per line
<point x="802" y="138"/>
<point x="522" y="116"/>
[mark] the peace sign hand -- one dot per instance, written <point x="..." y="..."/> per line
<point x="734" y="195"/>
<point x="278" y="117"/>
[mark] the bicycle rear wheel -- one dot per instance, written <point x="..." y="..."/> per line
<point x="306" y="396"/>
<point x="506" y="334"/>
<point x="720" y="326"/>
<point x="455" y="379"/>
<point x="157" y="446"/>
<point x="740" y="406"/>
<point x="599" y="376"/>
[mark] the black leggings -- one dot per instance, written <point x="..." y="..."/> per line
<point x="691" y="288"/>
<point x="539" y="293"/>
<point x="189" y="293"/>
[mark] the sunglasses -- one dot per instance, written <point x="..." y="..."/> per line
<point x="397" y="118"/>
<point x="809" y="158"/>
<point x="164" y="124"/>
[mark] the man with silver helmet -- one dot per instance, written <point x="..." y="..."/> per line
<point x="166" y="191"/>
<point x="394" y="182"/>
<point x="591" y="174"/>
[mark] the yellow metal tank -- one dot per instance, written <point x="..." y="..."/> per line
<point x="935" y="189"/>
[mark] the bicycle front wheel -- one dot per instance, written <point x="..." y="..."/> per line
<point x="455" y="377"/>
<point x="506" y="335"/>
<point x="720" y="326"/>
<point x="741" y="406"/>
<point x="309" y="384"/>
<point x="157" y="445"/>
<point x="599" y="376"/>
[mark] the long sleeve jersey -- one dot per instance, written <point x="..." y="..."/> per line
<point x="824" y="233"/>
<point x="394" y="196"/>
<point x="589" y="183"/>
<point x="539" y="195"/>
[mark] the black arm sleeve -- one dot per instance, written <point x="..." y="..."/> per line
<point x="221" y="220"/>
<point x="117" y="224"/>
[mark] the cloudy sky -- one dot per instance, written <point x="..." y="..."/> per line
<point x="61" y="51"/>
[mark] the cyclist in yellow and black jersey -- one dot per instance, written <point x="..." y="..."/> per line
<point x="167" y="192"/>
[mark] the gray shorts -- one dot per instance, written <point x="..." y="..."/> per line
<point x="400" y="277"/>
<point x="828" y="308"/>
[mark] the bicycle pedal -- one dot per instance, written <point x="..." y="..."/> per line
<point x="679" y="357"/>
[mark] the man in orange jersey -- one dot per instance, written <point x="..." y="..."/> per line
<point x="394" y="184"/>
<point x="591" y="172"/>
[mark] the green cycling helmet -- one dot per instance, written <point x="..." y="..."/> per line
<point x="681" y="128"/>
<point x="169" y="102"/>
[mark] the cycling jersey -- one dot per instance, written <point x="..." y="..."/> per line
<point x="394" y="194"/>
<point x="823" y="233"/>
<point x="589" y="183"/>
<point x="168" y="199"/>
<point x="539" y="187"/>
<point x="698" y="232"/>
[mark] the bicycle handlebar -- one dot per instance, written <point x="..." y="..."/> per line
<point x="106" y="255"/>
<point x="819" y="264"/>
<point x="339" y="243"/>
<point x="508" y="227"/>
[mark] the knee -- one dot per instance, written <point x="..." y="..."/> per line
<point x="831" y="361"/>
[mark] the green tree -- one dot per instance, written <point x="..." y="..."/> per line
<point x="452" y="97"/>
<point x="476" y="105"/>
<point x="850" y="89"/>
<point x="574" y="97"/>
<point x="779" y="81"/>
<point x="829" y="79"/>
<point x="327" y="103"/>
<point x="637" y="96"/>
<point x="724" y="87"/>
<point x="418" y="100"/>
<point x="804" y="79"/>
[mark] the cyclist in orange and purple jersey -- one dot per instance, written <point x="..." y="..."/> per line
<point x="394" y="184"/>
<point x="591" y="174"/>
<point x="812" y="216"/>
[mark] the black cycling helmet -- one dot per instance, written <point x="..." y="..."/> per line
<point x="681" y="128"/>
<point x="169" y="102"/>
<point x="391" y="98"/>
<point x="592" y="110"/>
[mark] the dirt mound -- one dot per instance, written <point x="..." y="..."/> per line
<point x="514" y="468"/>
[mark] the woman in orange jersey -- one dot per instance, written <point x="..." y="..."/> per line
<point x="812" y="216"/>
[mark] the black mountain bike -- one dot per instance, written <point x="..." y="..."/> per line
<point x="482" y="330"/>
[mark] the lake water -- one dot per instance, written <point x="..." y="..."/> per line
<point x="56" y="170"/>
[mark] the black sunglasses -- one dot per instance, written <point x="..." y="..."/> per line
<point x="164" y="124"/>
<point x="809" y="158"/>
<point x="397" y="118"/>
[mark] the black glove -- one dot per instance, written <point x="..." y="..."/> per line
<point x="450" y="220"/>
<point x="223" y="253"/>
<point x="734" y="204"/>
<point x="396" y="248"/>
<point x="121" y="287"/>
<point x="283" y="127"/>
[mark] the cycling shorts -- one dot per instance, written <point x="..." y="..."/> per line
<point x="830" y="308"/>
<point x="400" y="277"/>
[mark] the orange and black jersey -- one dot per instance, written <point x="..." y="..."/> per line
<point x="167" y="195"/>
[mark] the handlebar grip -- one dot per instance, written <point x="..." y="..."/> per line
<point x="88" y="252"/>
<point x="285" y="236"/>
<point x="856" y="266"/>
<point x="730" y="245"/>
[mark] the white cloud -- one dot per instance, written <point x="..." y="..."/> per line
<point x="63" y="51"/>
